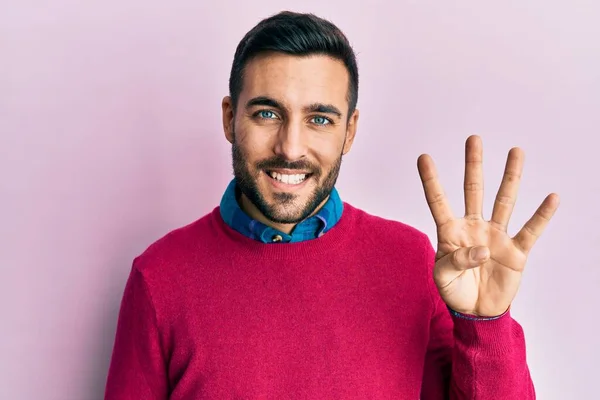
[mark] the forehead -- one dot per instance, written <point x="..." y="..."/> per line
<point x="297" y="80"/>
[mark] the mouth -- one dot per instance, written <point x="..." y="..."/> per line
<point x="288" y="178"/>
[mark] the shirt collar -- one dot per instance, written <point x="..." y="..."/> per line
<point x="311" y="228"/>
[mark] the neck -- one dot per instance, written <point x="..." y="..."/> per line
<point x="249" y="208"/>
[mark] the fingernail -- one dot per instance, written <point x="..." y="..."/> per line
<point x="479" y="253"/>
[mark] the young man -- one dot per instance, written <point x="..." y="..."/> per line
<point x="284" y="291"/>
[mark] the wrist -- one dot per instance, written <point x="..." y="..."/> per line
<point x="493" y="336"/>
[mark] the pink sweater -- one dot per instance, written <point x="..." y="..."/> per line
<point x="208" y="313"/>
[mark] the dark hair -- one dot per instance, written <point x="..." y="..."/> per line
<point x="300" y="34"/>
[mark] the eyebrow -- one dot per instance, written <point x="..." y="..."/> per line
<point x="314" y="107"/>
<point x="263" y="101"/>
<point x="324" y="109"/>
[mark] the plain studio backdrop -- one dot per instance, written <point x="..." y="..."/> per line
<point x="110" y="129"/>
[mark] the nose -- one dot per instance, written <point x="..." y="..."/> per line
<point x="291" y="142"/>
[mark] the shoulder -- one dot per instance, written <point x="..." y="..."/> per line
<point x="177" y="247"/>
<point x="384" y="232"/>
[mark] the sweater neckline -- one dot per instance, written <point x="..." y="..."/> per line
<point x="326" y="244"/>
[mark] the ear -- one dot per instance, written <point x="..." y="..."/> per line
<point x="228" y="117"/>
<point x="350" y="132"/>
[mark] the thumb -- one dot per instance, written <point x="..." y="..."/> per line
<point x="465" y="258"/>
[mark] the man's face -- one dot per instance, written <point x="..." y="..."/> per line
<point x="289" y="133"/>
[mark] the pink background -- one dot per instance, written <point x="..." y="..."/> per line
<point x="110" y="136"/>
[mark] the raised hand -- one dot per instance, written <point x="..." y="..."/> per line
<point x="478" y="265"/>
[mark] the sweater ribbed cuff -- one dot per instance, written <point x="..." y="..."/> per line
<point x="494" y="335"/>
<point x="475" y="317"/>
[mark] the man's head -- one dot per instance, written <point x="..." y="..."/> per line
<point x="290" y="115"/>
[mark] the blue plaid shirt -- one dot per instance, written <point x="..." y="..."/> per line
<point x="311" y="228"/>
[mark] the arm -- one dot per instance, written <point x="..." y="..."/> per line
<point x="478" y="353"/>
<point x="137" y="370"/>
<point x="474" y="358"/>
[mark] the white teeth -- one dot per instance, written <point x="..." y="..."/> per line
<point x="289" y="179"/>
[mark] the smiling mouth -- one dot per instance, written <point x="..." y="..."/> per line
<point x="289" y="179"/>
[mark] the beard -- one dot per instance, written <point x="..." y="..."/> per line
<point x="287" y="208"/>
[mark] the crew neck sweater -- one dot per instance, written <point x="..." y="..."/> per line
<point x="209" y="313"/>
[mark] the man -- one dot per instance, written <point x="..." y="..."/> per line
<point x="284" y="291"/>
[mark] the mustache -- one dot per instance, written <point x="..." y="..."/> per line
<point x="280" y="163"/>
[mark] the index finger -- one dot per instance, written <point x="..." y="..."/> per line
<point x="434" y="193"/>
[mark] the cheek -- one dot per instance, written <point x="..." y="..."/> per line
<point x="250" y="155"/>
<point x="327" y="153"/>
<point x="256" y="143"/>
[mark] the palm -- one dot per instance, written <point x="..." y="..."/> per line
<point x="488" y="287"/>
<point x="484" y="287"/>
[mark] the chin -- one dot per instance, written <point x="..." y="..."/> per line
<point x="287" y="207"/>
<point x="281" y="215"/>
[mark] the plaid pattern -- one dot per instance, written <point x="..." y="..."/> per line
<point x="310" y="228"/>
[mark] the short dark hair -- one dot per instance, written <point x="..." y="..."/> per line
<point x="299" y="34"/>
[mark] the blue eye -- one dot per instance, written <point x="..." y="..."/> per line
<point x="266" y="114"/>
<point x="320" y="120"/>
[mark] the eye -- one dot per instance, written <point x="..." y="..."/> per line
<point x="320" y="120"/>
<point x="266" y="114"/>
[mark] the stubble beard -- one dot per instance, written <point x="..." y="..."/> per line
<point x="287" y="208"/>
